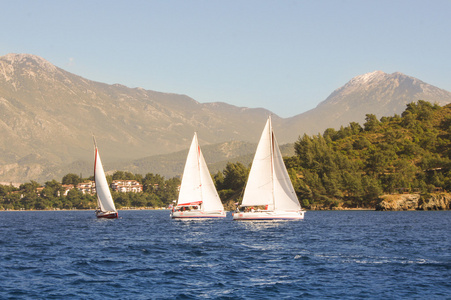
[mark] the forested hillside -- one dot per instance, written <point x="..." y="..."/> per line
<point x="350" y="168"/>
<point x="354" y="165"/>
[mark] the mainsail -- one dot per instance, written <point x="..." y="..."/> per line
<point x="197" y="185"/>
<point x="269" y="183"/>
<point x="104" y="199"/>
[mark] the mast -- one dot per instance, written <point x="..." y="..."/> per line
<point x="271" y="142"/>
<point x="95" y="156"/>
<point x="199" y="170"/>
<point x="95" y="167"/>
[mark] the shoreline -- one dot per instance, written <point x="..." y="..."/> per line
<point x="64" y="209"/>
<point x="148" y="208"/>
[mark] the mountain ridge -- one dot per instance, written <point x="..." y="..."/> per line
<point x="47" y="117"/>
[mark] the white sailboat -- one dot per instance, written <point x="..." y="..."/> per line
<point x="198" y="197"/>
<point x="105" y="204"/>
<point x="269" y="193"/>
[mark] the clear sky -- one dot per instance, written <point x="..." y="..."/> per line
<point x="285" y="56"/>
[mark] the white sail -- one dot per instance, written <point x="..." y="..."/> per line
<point x="284" y="194"/>
<point x="259" y="187"/>
<point x="268" y="182"/>
<point x="197" y="185"/>
<point x="104" y="199"/>
<point x="210" y="197"/>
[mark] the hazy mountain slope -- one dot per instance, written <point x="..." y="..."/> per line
<point x="47" y="117"/>
<point x="49" y="111"/>
<point x="168" y="165"/>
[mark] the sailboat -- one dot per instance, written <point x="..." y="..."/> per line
<point x="269" y="193"/>
<point x="198" y="197"/>
<point x="105" y="204"/>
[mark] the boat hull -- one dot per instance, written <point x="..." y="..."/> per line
<point x="269" y="215"/>
<point x="197" y="214"/>
<point x="107" y="214"/>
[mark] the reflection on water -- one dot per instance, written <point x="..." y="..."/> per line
<point x="258" y="225"/>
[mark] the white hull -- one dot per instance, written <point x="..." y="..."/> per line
<point x="269" y="215"/>
<point x="198" y="197"/>
<point x="269" y="184"/>
<point x="189" y="214"/>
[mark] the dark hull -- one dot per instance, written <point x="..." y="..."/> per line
<point x="107" y="215"/>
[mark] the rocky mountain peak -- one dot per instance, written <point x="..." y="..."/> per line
<point x="382" y="86"/>
<point x="368" y="78"/>
<point x="13" y="58"/>
<point x="13" y="64"/>
<point x="377" y="93"/>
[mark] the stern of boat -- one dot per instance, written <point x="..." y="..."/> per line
<point x="107" y="214"/>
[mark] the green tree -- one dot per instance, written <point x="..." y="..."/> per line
<point x="154" y="201"/>
<point x="355" y="128"/>
<point x="235" y="176"/>
<point x="371" y="123"/>
<point x="218" y="179"/>
<point x="52" y="189"/>
<point x="170" y="191"/>
<point x="29" y="187"/>
<point x="331" y="133"/>
<point x="71" y="178"/>
<point x="304" y="150"/>
<point x="73" y="199"/>
<point x="137" y="199"/>
<point x="121" y="199"/>
<point x="119" y="175"/>
<point x="371" y="187"/>
<point x="151" y="183"/>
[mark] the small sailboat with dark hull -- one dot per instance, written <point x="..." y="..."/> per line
<point x="105" y="203"/>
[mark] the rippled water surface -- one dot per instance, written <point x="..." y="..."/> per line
<point x="146" y="255"/>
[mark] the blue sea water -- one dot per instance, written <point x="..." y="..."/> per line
<point x="146" y="255"/>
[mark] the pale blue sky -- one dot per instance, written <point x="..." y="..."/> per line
<point x="285" y="56"/>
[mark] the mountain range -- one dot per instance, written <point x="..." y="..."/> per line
<point x="48" y="115"/>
